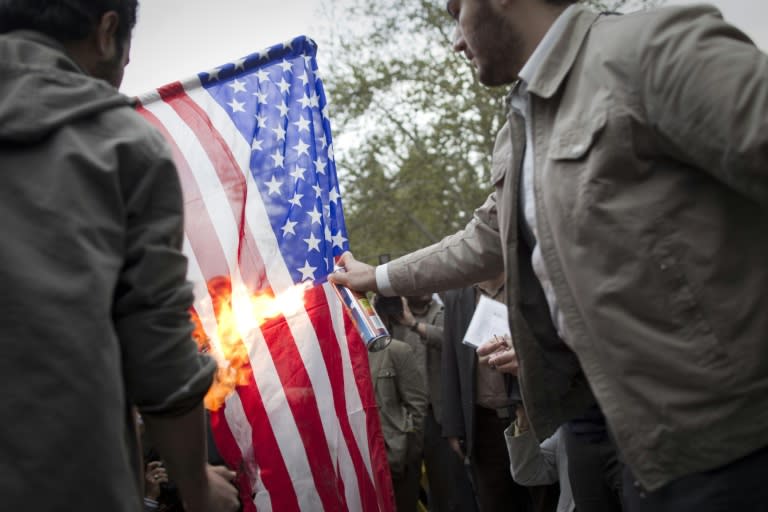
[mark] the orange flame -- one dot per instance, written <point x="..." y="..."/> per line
<point x="237" y="314"/>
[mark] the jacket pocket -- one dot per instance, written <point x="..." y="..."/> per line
<point x="572" y="141"/>
<point x="386" y="388"/>
<point x="685" y="316"/>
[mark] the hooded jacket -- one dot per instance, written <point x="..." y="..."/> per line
<point x="94" y="308"/>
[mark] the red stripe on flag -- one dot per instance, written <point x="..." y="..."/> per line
<point x="197" y="223"/>
<point x="230" y="452"/>
<point x="302" y="401"/>
<point x="230" y="175"/>
<point x="320" y="315"/>
<point x="272" y="467"/>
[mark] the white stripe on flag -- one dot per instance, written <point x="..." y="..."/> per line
<point x="355" y="410"/>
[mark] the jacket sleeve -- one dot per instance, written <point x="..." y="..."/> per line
<point x="452" y="421"/>
<point x="531" y="463"/>
<point x="410" y="386"/>
<point x="703" y="86"/>
<point x="434" y="331"/>
<point x="470" y="256"/>
<point x="163" y="371"/>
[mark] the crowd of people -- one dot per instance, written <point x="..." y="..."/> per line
<point x="626" y="235"/>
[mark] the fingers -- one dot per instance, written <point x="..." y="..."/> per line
<point x="504" y="361"/>
<point x="224" y="472"/>
<point x="456" y="446"/>
<point x="345" y="259"/>
<point x="339" y="278"/>
<point x="223" y="495"/>
<point x="490" y="346"/>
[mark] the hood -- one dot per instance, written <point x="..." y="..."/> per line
<point x="41" y="89"/>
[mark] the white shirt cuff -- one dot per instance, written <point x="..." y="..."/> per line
<point x="382" y="281"/>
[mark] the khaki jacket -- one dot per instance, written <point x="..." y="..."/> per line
<point x="428" y="351"/>
<point x="651" y="156"/>
<point x="402" y="401"/>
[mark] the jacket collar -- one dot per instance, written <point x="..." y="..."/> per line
<point x="558" y="58"/>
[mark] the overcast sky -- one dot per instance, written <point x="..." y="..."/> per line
<point x="175" y="39"/>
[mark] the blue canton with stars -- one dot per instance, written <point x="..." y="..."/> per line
<point x="277" y="102"/>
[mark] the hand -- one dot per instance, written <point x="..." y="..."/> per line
<point x="498" y="354"/>
<point x="455" y="444"/>
<point x="357" y="276"/>
<point x="219" y="495"/>
<point x="154" y="475"/>
<point x="407" y="319"/>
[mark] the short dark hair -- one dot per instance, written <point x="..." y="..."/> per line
<point x="66" y="20"/>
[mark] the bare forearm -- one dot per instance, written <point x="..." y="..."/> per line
<point x="181" y="442"/>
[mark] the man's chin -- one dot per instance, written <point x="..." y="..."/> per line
<point x="486" y="77"/>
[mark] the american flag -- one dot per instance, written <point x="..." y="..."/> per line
<point x="252" y="143"/>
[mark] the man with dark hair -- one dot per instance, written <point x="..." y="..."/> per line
<point x="94" y="313"/>
<point x="630" y="216"/>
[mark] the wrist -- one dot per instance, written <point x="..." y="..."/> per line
<point x="414" y="326"/>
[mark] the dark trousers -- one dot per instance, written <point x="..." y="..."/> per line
<point x="406" y="485"/>
<point x="495" y="489"/>
<point x="594" y="471"/>
<point x="449" y="487"/>
<point x="741" y="486"/>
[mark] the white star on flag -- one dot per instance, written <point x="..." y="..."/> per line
<point x="284" y="86"/>
<point x="307" y="272"/>
<point x="301" y="148"/>
<point x="338" y="239"/>
<point x="315" y="215"/>
<point x="313" y="243"/>
<point x="319" y="166"/>
<point x="288" y="227"/>
<point x="296" y="200"/>
<point x="302" y="123"/>
<point x="237" y="86"/>
<point x="274" y="186"/>
<point x="279" y="132"/>
<point x="278" y="158"/>
<point x="236" y="106"/>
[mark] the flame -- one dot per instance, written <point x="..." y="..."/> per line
<point x="238" y="312"/>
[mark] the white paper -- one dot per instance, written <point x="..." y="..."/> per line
<point x="490" y="319"/>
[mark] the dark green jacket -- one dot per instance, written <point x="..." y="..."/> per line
<point x="402" y="401"/>
<point x="94" y="303"/>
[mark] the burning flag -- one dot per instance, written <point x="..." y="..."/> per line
<point x="292" y="408"/>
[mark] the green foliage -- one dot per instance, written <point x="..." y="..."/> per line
<point x="414" y="129"/>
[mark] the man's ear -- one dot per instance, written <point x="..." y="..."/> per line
<point x="106" y="35"/>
